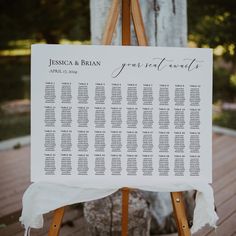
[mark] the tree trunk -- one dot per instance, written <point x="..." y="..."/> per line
<point x="165" y="22"/>
<point x="166" y="25"/>
<point x="103" y="216"/>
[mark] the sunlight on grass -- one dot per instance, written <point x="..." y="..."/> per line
<point x="15" y="52"/>
<point x="233" y="80"/>
<point x="22" y="47"/>
<point x="75" y="42"/>
<point x="192" y="44"/>
<point x="219" y="50"/>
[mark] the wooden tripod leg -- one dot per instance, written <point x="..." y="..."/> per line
<point x="56" y="222"/>
<point x="126" y="20"/>
<point x="180" y="214"/>
<point x="111" y="23"/>
<point x="138" y="23"/>
<point x="125" y="211"/>
<point x="126" y="40"/>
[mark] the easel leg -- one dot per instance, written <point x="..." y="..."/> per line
<point x="138" y="23"/>
<point x="111" y="23"/>
<point x="126" y="20"/>
<point x="180" y="215"/>
<point x="56" y="222"/>
<point x="126" y="40"/>
<point x="125" y="211"/>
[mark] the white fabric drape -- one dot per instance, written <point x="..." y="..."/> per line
<point x="41" y="198"/>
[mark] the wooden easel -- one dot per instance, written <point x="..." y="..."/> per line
<point x="129" y="8"/>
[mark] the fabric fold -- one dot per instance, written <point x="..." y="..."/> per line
<point x="41" y="198"/>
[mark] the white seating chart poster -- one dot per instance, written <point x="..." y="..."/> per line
<point x="121" y="115"/>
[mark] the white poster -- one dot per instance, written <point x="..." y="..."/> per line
<point x="127" y="116"/>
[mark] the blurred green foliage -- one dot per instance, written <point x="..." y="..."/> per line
<point x="13" y="74"/>
<point x="225" y="119"/>
<point x="212" y="23"/>
<point x="12" y="126"/>
<point x="223" y="88"/>
<point x="49" y="20"/>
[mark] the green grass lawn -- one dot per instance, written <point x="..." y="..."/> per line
<point x="225" y="119"/>
<point x="12" y="126"/>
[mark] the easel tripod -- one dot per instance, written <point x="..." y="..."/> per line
<point x="129" y="8"/>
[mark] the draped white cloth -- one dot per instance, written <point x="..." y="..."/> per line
<point x="41" y="198"/>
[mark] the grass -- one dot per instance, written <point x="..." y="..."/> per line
<point x="13" y="72"/>
<point x="22" y="47"/>
<point x="225" y="119"/>
<point x="12" y="126"/>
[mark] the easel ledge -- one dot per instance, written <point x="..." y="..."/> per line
<point x="129" y="8"/>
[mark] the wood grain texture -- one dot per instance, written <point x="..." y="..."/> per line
<point x="56" y="222"/>
<point x="111" y="23"/>
<point x="125" y="211"/>
<point x="138" y="23"/>
<point x="180" y="215"/>
<point x="126" y="21"/>
<point x="126" y="40"/>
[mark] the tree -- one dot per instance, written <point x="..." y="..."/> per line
<point x="49" y="20"/>
<point x="166" y="25"/>
<point x="166" y="22"/>
<point x="211" y="22"/>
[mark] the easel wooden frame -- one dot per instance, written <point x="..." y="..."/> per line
<point x="129" y="8"/>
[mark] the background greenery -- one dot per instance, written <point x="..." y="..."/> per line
<point x="211" y="23"/>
